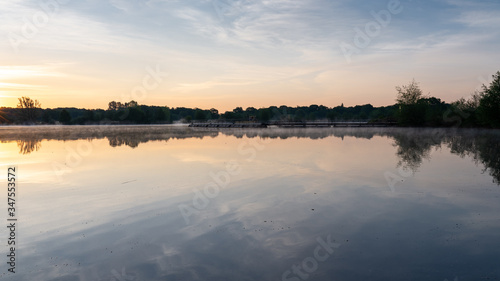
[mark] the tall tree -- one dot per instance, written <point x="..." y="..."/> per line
<point x="112" y="105"/>
<point x="489" y="106"/>
<point x="29" y="109"/>
<point x="409" y="94"/>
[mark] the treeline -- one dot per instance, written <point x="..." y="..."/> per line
<point x="133" y="113"/>
<point x="117" y="113"/>
<point x="482" y="109"/>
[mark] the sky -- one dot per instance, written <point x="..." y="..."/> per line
<point x="228" y="53"/>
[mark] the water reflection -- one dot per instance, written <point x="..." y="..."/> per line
<point x="412" y="149"/>
<point x="484" y="149"/>
<point x="28" y="146"/>
<point x="413" y="146"/>
<point x="115" y="215"/>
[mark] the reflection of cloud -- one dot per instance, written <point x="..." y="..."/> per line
<point x="194" y="157"/>
<point x="262" y="225"/>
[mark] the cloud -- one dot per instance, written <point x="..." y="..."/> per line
<point x="483" y="19"/>
<point x="248" y="46"/>
<point x="288" y="26"/>
<point x="15" y="86"/>
<point x="27" y="71"/>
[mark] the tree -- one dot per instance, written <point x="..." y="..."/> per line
<point x="239" y="114"/>
<point x="29" y="109"/>
<point x="64" y="117"/>
<point x="134" y="114"/>
<point x="311" y="116"/>
<point x="3" y="119"/>
<point x="409" y="94"/>
<point x="264" y="114"/>
<point x="467" y="110"/>
<point x="489" y="105"/>
<point x="160" y="115"/>
<point x="412" y="106"/>
<point x="131" y="103"/>
<point x="214" y="113"/>
<point x="199" y="115"/>
<point x="330" y="115"/>
<point x="299" y="115"/>
<point x="112" y="105"/>
<point x="46" y="117"/>
<point x="471" y="104"/>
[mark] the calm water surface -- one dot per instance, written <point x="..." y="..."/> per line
<point x="175" y="203"/>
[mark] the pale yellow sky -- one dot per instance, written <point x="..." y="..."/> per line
<point x="85" y="54"/>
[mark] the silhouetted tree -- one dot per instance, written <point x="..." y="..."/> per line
<point x="214" y="113"/>
<point x="64" y="117"/>
<point x="489" y="108"/>
<point x="3" y="119"/>
<point x="29" y="109"/>
<point x="112" y="105"/>
<point x="466" y="110"/>
<point x="299" y="115"/>
<point x="199" y="115"/>
<point x="409" y="94"/>
<point x="330" y="115"/>
<point x="264" y="114"/>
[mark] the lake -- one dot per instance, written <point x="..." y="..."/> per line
<point x="176" y="203"/>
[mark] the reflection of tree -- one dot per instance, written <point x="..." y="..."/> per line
<point x="115" y="141"/>
<point x="309" y="133"/>
<point x="482" y="146"/>
<point x="489" y="154"/>
<point x="413" y="148"/>
<point x="28" y="146"/>
<point x="484" y="149"/>
<point x="117" y="135"/>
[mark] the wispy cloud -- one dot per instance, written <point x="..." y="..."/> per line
<point x="29" y="71"/>
<point x="483" y="19"/>
<point x="243" y="48"/>
<point x="15" y="86"/>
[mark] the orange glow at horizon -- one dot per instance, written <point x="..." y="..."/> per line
<point x="62" y="86"/>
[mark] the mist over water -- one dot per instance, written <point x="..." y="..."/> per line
<point x="178" y="203"/>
